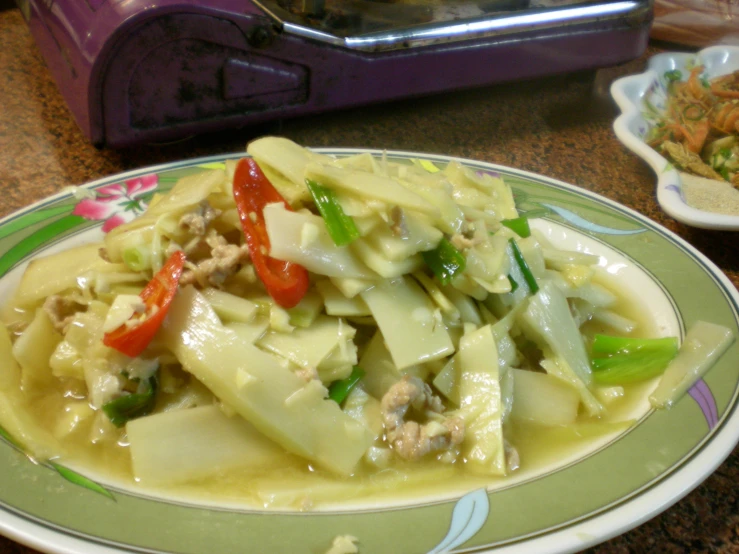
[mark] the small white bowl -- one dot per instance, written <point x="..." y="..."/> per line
<point x="642" y="99"/>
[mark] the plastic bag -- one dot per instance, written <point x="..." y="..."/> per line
<point x="696" y="22"/>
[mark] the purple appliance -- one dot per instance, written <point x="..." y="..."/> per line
<point x="136" y="71"/>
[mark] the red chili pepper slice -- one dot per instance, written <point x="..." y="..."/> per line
<point x="286" y="282"/>
<point x="157" y="295"/>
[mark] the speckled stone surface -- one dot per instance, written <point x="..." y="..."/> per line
<point x="559" y="127"/>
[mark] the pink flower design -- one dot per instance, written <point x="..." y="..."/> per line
<point x="117" y="204"/>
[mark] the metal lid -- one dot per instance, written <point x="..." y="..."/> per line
<point x="374" y="25"/>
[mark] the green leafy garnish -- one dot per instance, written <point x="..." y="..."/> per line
<point x="445" y="261"/>
<point x="339" y="390"/>
<point x="130" y="406"/>
<point x="340" y="226"/>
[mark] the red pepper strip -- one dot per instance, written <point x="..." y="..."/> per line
<point x="158" y="295"/>
<point x="286" y="282"/>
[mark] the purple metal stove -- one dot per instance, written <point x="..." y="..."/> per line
<point x="135" y="71"/>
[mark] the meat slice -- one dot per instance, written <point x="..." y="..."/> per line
<point x="410" y="439"/>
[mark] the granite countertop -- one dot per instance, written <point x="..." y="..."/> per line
<point x="559" y="127"/>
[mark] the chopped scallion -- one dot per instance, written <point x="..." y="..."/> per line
<point x="130" y="406"/>
<point x="523" y="267"/>
<point x="620" y="369"/>
<point x="137" y="258"/>
<point x="339" y="390"/>
<point x="340" y="226"/>
<point x="606" y="345"/>
<point x="514" y="285"/>
<point x="519" y="225"/>
<point x="445" y="261"/>
<point x="626" y="360"/>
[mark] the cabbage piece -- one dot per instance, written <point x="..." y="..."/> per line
<point x="308" y="346"/>
<point x="481" y="404"/>
<point x="10" y="371"/>
<point x="365" y="409"/>
<point x="447" y="381"/>
<point x="482" y="191"/>
<point x="556" y="366"/>
<point x="230" y="307"/>
<point x="339" y="305"/>
<point x="596" y="294"/>
<point x="15" y="418"/>
<point x="547" y="320"/>
<point x="381" y="372"/>
<point x="302" y="238"/>
<point x="285" y="156"/>
<point x="415" y="235"/>
<point x="543" y="399"/>
<point x="58" y="272"/>
<point x="33" y="348"/>
<point x="451" y="218"/>
<point x="408" y="322"/>
<point x="704" y="344"/>
<point x="279" y="404"/>
<point x="351" y="287"/>
<point x="186" y="195"/>
<point x="376" y="260"/>
<point x="340" y="361"/>
<point x="182" y="445"/>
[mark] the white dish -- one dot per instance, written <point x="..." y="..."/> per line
<point x="642" y="100"/>
<point x="605" y="489"/>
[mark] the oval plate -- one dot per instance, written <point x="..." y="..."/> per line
<point x="642" y="99"/>
<point x="571" y="507"/>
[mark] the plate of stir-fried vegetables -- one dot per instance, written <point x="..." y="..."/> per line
<point x="682" y="117"/>
<point x="303" y="350"/>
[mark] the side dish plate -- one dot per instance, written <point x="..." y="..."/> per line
<point x="643" y="99"/>
<point x="567" y="508"/>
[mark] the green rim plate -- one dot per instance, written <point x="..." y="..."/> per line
<point x="579" y="503"/>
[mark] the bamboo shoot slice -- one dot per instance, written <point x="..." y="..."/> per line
<point x="182" y="445"/>
<point x="704" y="344"/>
<point x="258" y="387"/>
<point x="406" y="318"/>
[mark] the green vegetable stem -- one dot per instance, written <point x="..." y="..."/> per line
<point x="340" y="226"/>
<point x="445" y="261"/>
<point x="130" y="406"/>
<point x="339" y="390"/>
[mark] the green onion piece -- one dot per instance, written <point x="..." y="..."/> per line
<point x="514" y="285"/>
<point x="524" y="267"/>
<point x="621" y="369"/>
<point x="607" y="345"/>
<point x="520" y="226"/>
<point x="340" y="226"/>
<point x="673" y="75"/>
<point x="445" y="261"/>
<point x="137" y="258"/>
<point x="339" y="390"/>
<point x="130" y="406"/>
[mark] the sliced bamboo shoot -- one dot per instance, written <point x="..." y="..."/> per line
<point x="258" y="387"/>
<point x="407" y="319"/>
<point x="182" y="445"/>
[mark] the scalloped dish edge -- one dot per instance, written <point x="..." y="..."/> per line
<point x="629" y="93"/>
